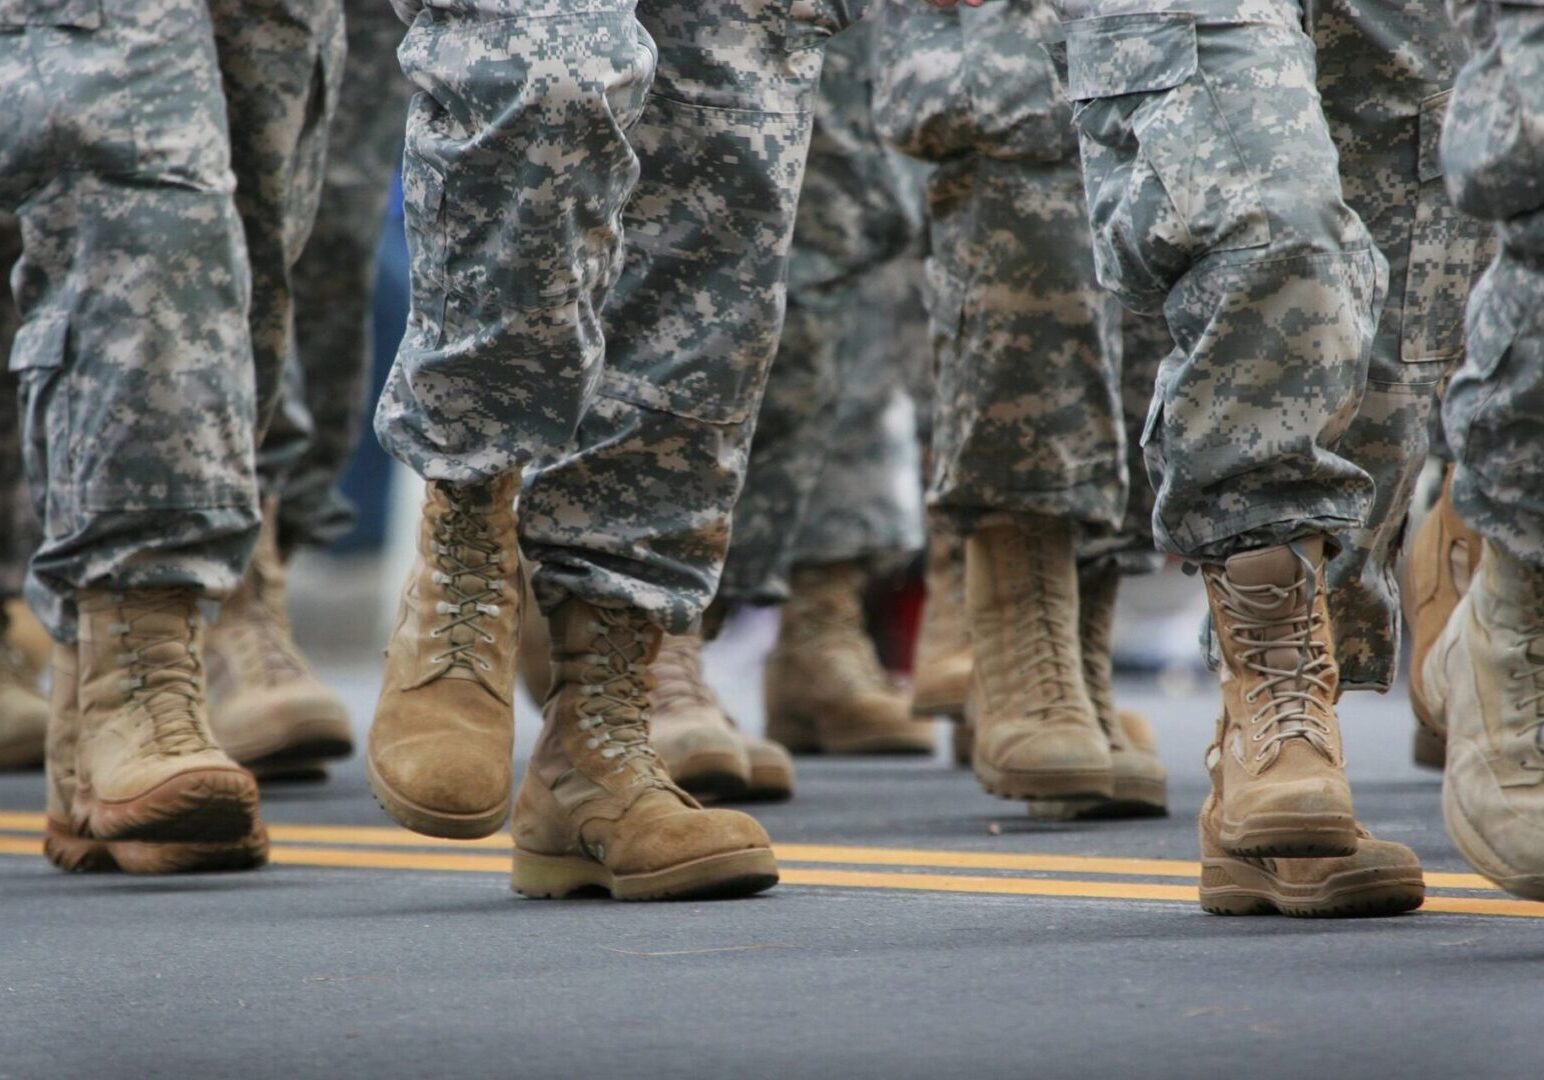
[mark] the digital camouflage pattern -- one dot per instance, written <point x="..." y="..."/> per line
<point x="1493" y="150"/>
<point x="18" y="524"/>
<point x="133" y="291"/>
<point x="1031" y="392"/>
<point x="629" y="372"/>
<point x="827" y="482"/>
<point x="334" y="283"/>
<point x="1288" y="406"/>
<point x="139" y="397"/>
<point x="281" y="63"/>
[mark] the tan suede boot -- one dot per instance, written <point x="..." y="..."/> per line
<point x="597" y="810"/>
<point x="440" y="750"/>
<point x="771" y="778"/>
<point x="68" y="849"/>
<point x="1140" y="780"/>
<point x="941" y="671"/>
<point x="23" y="712"/>
<point x="1036" y="733"/>
<point x="824" y="688"/>
<point x="1444" y="555"/>
<point x="704" y="754"/>
<point x="1285" y="792"/>
<point x="1484" y="681"/>
<point x="1381" y="878"/>
<point x="147" y="766"/>
<point x="268" y="709"/>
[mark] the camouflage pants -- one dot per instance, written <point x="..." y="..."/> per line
<point x="317" y="427"/>
<point x="1268" y="219"/>
<point x="140" y="251"/>
<point x="18" y="524"/>
<point x="1493" y="148"/>
<point x="542" y="133"/>
<point x="827" y="481"/>
<point x="1032" y="396"/>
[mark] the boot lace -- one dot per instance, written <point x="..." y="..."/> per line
<point x="470" y="570"/>
<point x="678" y="674"/>
<point x="1296" y="704"/>
<point x="1039" y="629"/>
<point x="162" y="670"/>
<point x="614" y="704"/>
<point x="1533" y="673"/>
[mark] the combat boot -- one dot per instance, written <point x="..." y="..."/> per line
<point x="1484" y="681"/>
<point x="535" y="646"/>
<point x="1140" y="780"/>
<point x="941" y="672"/>
<point x="441" y="747"/>
<point x="825" y="689"/>
<point x="1284" y="791"/>
<point x="1380" y="878"/>
<point x="147" y="766"/>
<point x="597" y="808"/>
<point x="69" y="849"/>
<point x="1443" y="557"/>
<point x="704" y="754"/>
<point x="1036" y="735"/>
<point x="771" y="778"/>
<point x="268" y="710"/>
<point x="23" y="711"/>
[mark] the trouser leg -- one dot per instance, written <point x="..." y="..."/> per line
<point x="335" y="277"/>
<point x="692" y="325"/>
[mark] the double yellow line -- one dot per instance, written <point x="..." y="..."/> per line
<point x="923" y="869"/>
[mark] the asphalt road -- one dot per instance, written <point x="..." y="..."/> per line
<point x="922" y="929"/>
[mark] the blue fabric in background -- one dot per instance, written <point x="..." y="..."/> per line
<point x="367" y="481"/>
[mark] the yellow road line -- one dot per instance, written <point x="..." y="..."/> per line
<point x="359" y="858"/>
<point x="393" y="837"/>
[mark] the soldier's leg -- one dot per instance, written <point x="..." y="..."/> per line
<point x="631" y="523"/>
<point x="23" y="711"/>
<point x="1384" y="72"/>
<point x="335" y="277"/>
<point x="1216" y="199"/>
<point x="137" y="401"/>
<point x="1484" y="676"/>
<point x="281" y="68"/>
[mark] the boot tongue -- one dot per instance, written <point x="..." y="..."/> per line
<point x="1283" y="568"/>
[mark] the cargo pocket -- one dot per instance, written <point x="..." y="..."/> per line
<point x="1447" y="249"/>
<point x="920" y="104"/>
<point x="1167" y="184"/>
<point x="811" y="22"/>
<point x="1018" y="107"/>
<point x="47" y="418"/>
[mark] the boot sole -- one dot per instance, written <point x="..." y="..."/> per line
<point x="1071" y="785"/>
<point x="1250" y="890"/>
<point x="713" y="775"/>
<point x="798" y="736"/>
<point x="293" y="770"/>
<point x="1292" y="836"/>
<point x="200" y="806"/>
<point x="82" y="855"/>
<point x="713" y="877"/>
<point x="1480" y="855"/>
<point x="768" y="785"/>
<point x="1132" y="799"/>
<point x="437" y="823"/>
<point x="947" y="706"/>
<point x="317" y="738"/>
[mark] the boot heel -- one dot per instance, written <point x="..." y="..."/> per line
<point x="554" y="877"/>
<point x="794" y="730"/>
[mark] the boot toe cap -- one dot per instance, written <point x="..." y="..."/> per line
<point x="685" y="837"/>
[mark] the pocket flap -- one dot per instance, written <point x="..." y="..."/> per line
<point x="78" y="14"/>
<point x="40" y="343"/>
<point x="1129" y="54"/>
<point x="1429" y="157"/>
